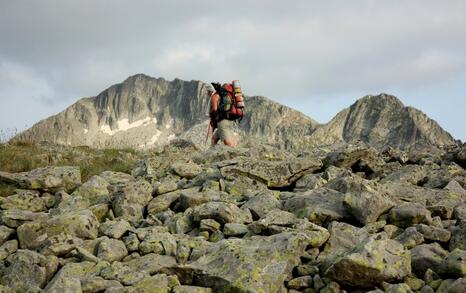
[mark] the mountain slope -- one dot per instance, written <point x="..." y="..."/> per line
<point x="383" y="121"/>
<point x="144" y="112"/>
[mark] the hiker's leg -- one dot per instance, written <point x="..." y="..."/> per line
<point x="229" y="142"/>
<point x="215" y="139"/>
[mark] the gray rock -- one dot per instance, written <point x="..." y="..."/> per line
<point x="427" y="256"/>
<point x="98" y="284"/>
<point x="442" y="211"/>
<point x="221" y="212"/>
<point x="8" y="248"/>
<point x="130" y="199"/>
<point x="82" y="224"/>
<point x="409" y="214"/>
<point x="192" y="197"/>
<point x="112" y="250"/>
<point x="259" y="263"/>
<point x="372" y="263"/>
<point x="262" y="203"/>
<point x="273" y="218"/>
<point x="5" y="233"/>
<point x="309" y="182"/>
<point x="343" y="239"/>
<point x="398" y="288"/>
<point x="187" y="170"/>
<point x="14" y="218"/>
<point x="27" y="269"/>
<point x="94" y="191"/>
<point x="433" y="233"/>
<point x="457" y="286"/>
<point x="454" y="264"/>
<point x="320" y="206"/>
<point x="458" y="239"/>
<point x="233" y="229"/>
<point x="367" y="206"/>
<point x="114" y="178"/>
<point x="132" y="242"/>
<point x="27" y="200"/>
<point x="162" y="202"/>
<point x="166" y="185"/>
<point x="151" y="263"/>
<point x="48" y="178"/>
<point x="459" y="212"/>
<point x="209" y="225"/>
<point x="410" y="238"/>
<point x="190" y="289"/>
<point x="115" y="229"/>
<point x="300" y="283"/>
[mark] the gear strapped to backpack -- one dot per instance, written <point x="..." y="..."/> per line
<point x="231" y="103"/>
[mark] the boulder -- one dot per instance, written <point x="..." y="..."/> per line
<point x="130" y="199"/>
<point x="259" y="264"/>
<point x="262" y="203"/>
<point x="427" y="256"/>
<point x="49" y="178"/>
<point x="94" y="191"/>
<point x="320" y="206"/>
<point x="98" y="284"/>
<point x="233" y="229"/>
<point x="81" y="224"/>
<point x="343" y="239"/>
<point x="187" y="170"/>
<point x="454" y="265"/>
<point x="68" y="278"/>
<point x="5" y="233"/>
<point x="433" y="233"/>
<point x="409" y="214"/>
<point x="410" y="238"/>
<point x="115" y="229"/>
<point x="458" y="238"/>
<point x="112" y="250"/>
<point x="162" y="202"/>
<point x="221" y="212"/>
<point x="27" y="269"/>
<point x="14" y="218"/>
<point x="8" y="248"/>
<point x="367" y="205"/>
<point x="370" y="264"/>
<point x="27" y="200"/>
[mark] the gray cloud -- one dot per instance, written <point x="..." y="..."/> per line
<point x="52" y="52"/>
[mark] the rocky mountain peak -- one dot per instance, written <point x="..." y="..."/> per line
<point x="144" y="111"/>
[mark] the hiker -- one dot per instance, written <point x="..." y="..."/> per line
<point x="224" y="110"/>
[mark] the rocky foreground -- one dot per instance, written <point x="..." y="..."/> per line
<point x="252" y="219"/>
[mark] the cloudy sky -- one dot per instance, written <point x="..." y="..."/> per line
<point x="315" y="56"/>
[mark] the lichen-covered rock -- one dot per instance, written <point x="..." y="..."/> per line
<point x="48" y="178"/>
<point x="130" y="200"/>
<point x="427" y="256"/>
<point x="112" y="250"/>
<point x="221" y="212"/>
<point x="398" y="288"/>
<point x="234" y="229"/>
<point x="28" y="269"/>
<point x="367" y="205"/>
<point x="454" y="265"/>
<point x="27" y="200"/>
<point x="155" y="284"/>
<point x="98" y="284"/>
<point x="14" y="218"/>
<point x="115" y="229"/>
<point x="371" y="264"/>
<point x="410" y="238"/>
<point x="187" y="170"/>
<point x="320" y="206"/>
<point x="190" y="289"/>
<point x="259" y="264"/>
<point x="275" y="173"/>
<point x="458" y="238"/>
<point x="433" y="233"/>
<point x="82" y="224"/>
<point x="300" y="283"/>
<point x="5" y="233"/>
<point x="457" y="286"/>
<point x="409" y="214"/>
<point x="151" y="263"/>
<point x="8" y="248"/>
<point x="162" y="202"/>
<point x="262" y="203"/>
<point x="94" y="191"/>
<point x="343" y="239"/>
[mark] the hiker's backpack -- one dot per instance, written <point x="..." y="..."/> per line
<point x="231" y="102"/>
